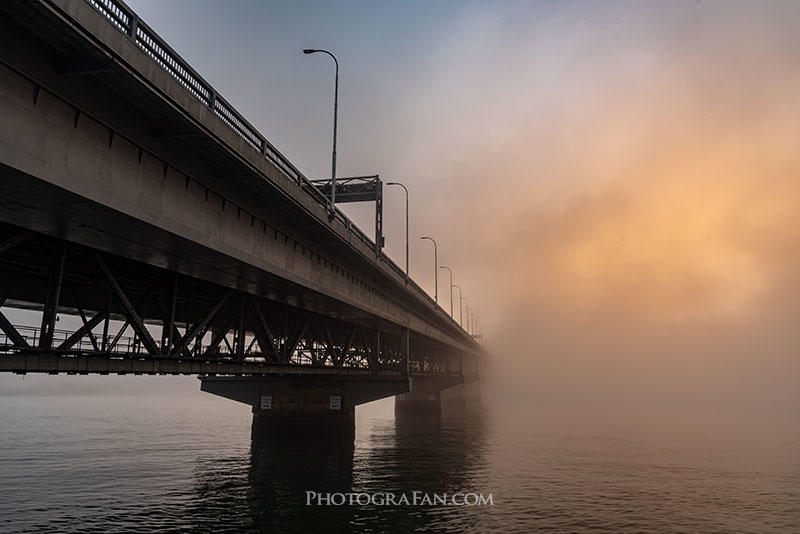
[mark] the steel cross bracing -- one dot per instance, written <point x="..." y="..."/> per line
<point x="132" y="317"/>
<point x="217" y="344"/>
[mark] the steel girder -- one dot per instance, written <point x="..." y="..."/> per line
<point x="131" y="310"/>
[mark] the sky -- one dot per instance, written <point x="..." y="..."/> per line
<point x="614" y="184"/>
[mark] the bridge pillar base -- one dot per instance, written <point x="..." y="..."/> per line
<point x="462" y="399"/>
<point x="454" y="397"/>
<point x="425" y="396"/>
<point x="304" y="410"/>
<point x="312" y="429"/>
<point x="298" y="407"/>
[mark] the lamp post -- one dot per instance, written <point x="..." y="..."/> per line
<point x="406" y="190"/>
<point x="451" y="288"/>
<point x="460" y="308"/>
<point x="435" y="268"/>
<point x="335" y="113"/>
<point x="467" y="316"/>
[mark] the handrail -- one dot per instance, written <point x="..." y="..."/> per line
<point x="127" y="22"/>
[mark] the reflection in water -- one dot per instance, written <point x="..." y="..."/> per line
<point x="415" y="453"/>
<point x="283" y="466"/>
<point x="191" y="465"/>
<point x="419" y="453"/>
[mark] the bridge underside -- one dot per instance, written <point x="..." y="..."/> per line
<point x="131" y="317"/>
<point x="91" y="156"/>
<point x="147" y="228"/>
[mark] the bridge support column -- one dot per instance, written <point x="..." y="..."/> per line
<point x="302" y="406"/>
<point x="425" y="396"/>
<point x="463" y="398"/>
<point x="303" y="409"/>
<point x="454" y="397"/>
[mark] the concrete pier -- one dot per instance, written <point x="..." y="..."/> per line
<point x="298" y="407"/>
<point x="463" y="399"/>
<point x="425" y="394"/>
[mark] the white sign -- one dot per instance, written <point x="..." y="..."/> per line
<point x="336" y="402"/>
<point x="266" y="402"/>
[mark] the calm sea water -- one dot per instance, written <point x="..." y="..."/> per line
<point x="144" y="463"/>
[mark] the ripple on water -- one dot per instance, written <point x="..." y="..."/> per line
<point x="187" y="465"/>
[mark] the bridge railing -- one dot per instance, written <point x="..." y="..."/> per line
<point x="125" y="346"/>
<point x="127" y="22"/>
<point x="113" y="344"/>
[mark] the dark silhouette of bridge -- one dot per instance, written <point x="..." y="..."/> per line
<point x="139" y="205"/>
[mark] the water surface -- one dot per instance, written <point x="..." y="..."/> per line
<point x="187" y="463"/>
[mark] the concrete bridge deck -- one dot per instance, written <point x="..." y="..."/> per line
<point x="138" y="201"/>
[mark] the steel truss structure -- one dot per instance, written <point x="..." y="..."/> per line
<point x="134" y="317"/>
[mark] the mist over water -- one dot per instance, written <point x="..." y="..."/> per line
<point x="163" y="456"/>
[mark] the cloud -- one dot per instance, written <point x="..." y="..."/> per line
<point x="633" y="220"/>
<point x="615" y="185"/>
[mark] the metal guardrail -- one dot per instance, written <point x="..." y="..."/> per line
<point x="127" y="22"/>
<point x="132" y="346"/>
<point x="120" y="346"/>
<point x="112" y="344"/>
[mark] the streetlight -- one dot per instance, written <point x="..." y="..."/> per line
<point x="406" y="190"/>
<point x="451" y="288"/>
<point x="335" y="112"/>
<point x="460" y="308"/>
<point x="467" y="316"/>
<point x="435" y="269"/>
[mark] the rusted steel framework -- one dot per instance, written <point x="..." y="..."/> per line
<point x="133" y="317"/>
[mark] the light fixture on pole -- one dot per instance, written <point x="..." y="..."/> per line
<point x="406" y="190"/>
<point x="451" y="288"/>
<point x="335" y="113"/>
<point x="435" y="268"/>
<point x="460" y="307"/>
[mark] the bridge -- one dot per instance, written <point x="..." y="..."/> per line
<point x="147" y="227"/>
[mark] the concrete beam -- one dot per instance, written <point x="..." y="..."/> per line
<point x="352" y="390"/>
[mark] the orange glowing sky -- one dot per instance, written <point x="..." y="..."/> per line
<point x="614" y="184"/>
